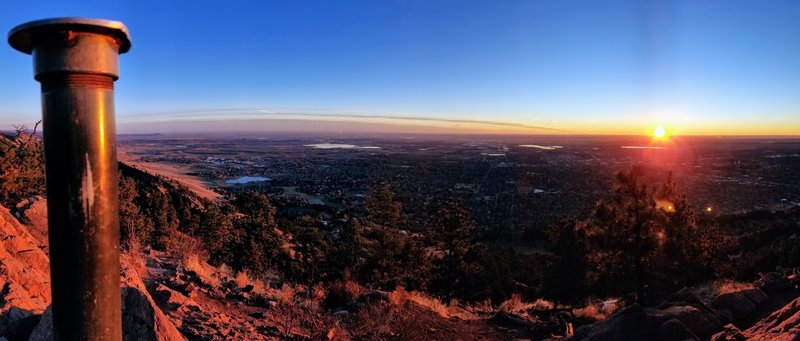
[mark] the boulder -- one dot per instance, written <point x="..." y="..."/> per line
<point x="756" y="295"/>
<point x="141" y="317"/>
<point x="773" y="282"/>
<point x="783" y="324"/>
<point x="733" y="306"/>
<point x="674" y="330"/>
<point x="24" y="268"/>
<point x="686" y="297"/>
<point x="694" y="320"/>
<point x="44" y="329"/>
<point x="33" y="213"/>
<point x="631" y="323"/>
<point x="171" y="299"/>
<point x="729" y="333"/>
<point x="17" y="324"/>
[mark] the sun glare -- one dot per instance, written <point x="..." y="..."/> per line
<point x="660" y="132"/>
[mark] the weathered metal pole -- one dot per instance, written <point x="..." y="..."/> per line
<point x="75" y="60"/>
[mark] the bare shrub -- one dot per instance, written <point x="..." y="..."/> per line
<point x="298" y="321"/>
<point x="376" y="322"/>
<point x="183" y="245"/>
<point x="137" y="257"/>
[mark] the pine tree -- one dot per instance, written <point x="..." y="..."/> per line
<point x="260" y="245"/>
<point x="384" y="209"/>
<point x="134" y="225"/>
<point x="623" y="233"/>
<point x="452" y="232"/>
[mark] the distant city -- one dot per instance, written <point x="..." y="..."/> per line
<point x="510" y="183"/>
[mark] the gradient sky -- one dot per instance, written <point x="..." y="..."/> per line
<point x="698" y="67"/>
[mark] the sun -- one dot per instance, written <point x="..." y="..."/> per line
<point x="660" y="133"/>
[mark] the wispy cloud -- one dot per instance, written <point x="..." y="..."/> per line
<point x="225" y="114"/>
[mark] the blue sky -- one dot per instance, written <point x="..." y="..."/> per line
<point x="583" y="66"/>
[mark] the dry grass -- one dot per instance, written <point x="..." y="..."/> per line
<point x="430" y="303"/>
<point x="541" y="304"/>
<point x="483" y="307"/>
<point x="318" y="292"/>
<point x="206" y="272"/>
<point x="386" y="321"/>
<point x="353" y="288"/>
<point x="286" y="294"/>
<point x="515" y="304"/>
<point x="710" y="290"/>
<point x="597" y="310"/>
<point x="259" y="287"/>
<point x="137" y="257"/>
<point x="242" y="279"/>
<point x="400" y="297"/>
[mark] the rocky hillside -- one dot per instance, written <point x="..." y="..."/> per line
<point x="177" y="296"/>
<point x="770" y="310"/>
<point x="25" y="296"/>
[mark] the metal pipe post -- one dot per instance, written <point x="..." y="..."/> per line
<point x="75" y="60"/>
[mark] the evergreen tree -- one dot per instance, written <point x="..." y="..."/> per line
<point x="384" y="209"/>
<point x="347" y="251"/>
<point x="568" y="240"/>
<point x="392" y="258"/>
<point x="452" y="232"/>
<point x="623" y="233"/>
<point x="261" y="245"/>
<point x="217" y="232"/>
<point x="134" y="225"/>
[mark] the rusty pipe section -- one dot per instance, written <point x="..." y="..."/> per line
<point x="76" y="62"/>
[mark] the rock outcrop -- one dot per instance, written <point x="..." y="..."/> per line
<point x="684" y="316"/>
<point x="141" y="317"/>
<point x="25" y="280"/>
<point x="735" y="306"/>
<point x="783" y="324"/>
<point x="32" y="212"/>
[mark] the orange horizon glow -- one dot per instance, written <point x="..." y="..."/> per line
<point x="630" y="127"/>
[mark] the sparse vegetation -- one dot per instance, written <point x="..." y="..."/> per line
<point x="21" y="165"/>
<point x="374" y="264"/>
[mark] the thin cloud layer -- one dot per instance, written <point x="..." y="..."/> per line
<point x="228" y="114"/>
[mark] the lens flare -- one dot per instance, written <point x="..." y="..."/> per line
<point x="660" y="132"/>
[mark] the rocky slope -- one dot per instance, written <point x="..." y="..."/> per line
<point x="25" y="277"/>
<point x="748" y="314"/>
<point x="176" y="296"/>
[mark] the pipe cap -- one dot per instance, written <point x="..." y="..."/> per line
<point x="21" y="37"/>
